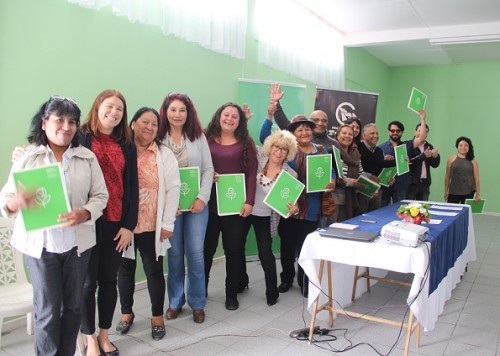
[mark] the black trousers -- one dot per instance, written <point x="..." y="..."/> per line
<point x="293" y="232"/>
<point x="145" y="243"/>
<point x="419" y="191"/>
<point x="262" y="229"/>
<point x="102" y="272"/>
<point x="232" y="228"/>
<point x="459" y="199"/>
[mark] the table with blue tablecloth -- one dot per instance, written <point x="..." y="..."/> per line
<point x="437" y="265"/>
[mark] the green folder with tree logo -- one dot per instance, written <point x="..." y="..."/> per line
<point x="370" y="186"/>
<point x="50" y="196"/>
<point x="231" y="193"/>
<point x="417" y="100"/>
<point x="284" y="190"/>
<point x="401" y="159"/>
<point x="387" y="174"/>
<point x="318" y="172"/>
<point x="477" y="208"/>
<point x="190" y="186"/>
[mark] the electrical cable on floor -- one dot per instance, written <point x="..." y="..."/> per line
<point x="408" y="305"/>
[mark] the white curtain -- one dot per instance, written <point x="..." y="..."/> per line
<point x="295" y="41"/>
<point x="217" y="25"/>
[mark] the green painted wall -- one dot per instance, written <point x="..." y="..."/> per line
<point x="53" y="47"/>
<point x="462" y="101"/>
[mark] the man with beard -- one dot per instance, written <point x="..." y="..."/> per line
<point x="399" y="189"/>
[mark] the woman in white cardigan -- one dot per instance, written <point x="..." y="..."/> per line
<point x="181" y="131"/>
<point x="159" y="187"/>
<point x="57" y="257"/>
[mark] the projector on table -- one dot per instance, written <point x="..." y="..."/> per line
<point x="404" y="233"/>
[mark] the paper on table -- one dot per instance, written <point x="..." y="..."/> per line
<point x="344" y="226"/>
<point x="442" y="213"/>
<point x="447" y="207"/>
<point x="435" y="221"/>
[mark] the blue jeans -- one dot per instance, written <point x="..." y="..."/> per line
<point x="57" y="280"/>
<point x="188" y="240"/>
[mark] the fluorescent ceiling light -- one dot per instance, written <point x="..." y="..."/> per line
<point x="464" y="39"/>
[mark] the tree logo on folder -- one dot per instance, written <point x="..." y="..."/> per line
<point x="285" y="193"/>
<point x="231" y="193"/>
<point x="319" y="173"/>
<point x="185" y="189"/>
<point x="42" y="197"/>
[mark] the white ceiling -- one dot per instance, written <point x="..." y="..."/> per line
<point x="398" y="32"/>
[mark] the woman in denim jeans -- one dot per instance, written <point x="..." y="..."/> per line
<point x="181" y="131"/>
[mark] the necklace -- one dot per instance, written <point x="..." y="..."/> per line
<point x="264" y="173"/>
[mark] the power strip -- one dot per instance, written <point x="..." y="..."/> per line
<point x="302" y="333"/>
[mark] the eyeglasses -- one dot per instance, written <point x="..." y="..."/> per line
<point x="278" y="148"/>
<point x="176" y="95"/>
<point x="316" y="119"/>
<point x="62" y="98"/>
<point x="395" y="131"/>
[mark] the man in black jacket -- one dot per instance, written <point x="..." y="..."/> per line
<point x="422" y="158"/>
<point x="372" y="159"/>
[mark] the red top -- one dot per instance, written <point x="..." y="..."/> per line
<point x="112" y="162"/>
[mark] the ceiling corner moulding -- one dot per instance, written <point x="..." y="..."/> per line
<point x="464" y="40"/>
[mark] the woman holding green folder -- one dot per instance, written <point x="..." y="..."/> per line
<point x="278" y="148"/>
<point x="181" y="131"/>
<point x="57" y="258"/>
<point x="233" y="151"/>
<point x="345" y="195"/>
<point x="294" y="230"/>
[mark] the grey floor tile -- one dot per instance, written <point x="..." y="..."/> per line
<point x="469" y="324"/>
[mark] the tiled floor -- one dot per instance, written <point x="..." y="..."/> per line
<point x="469" y="325"/>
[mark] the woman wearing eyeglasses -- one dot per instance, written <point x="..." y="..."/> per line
<point x="294" y="230"/>
<point x="57" y="257"/>
<point x="233" y="151"/>
<point x="272" y="157"/>
<point x="108" y="135"/>
<point x="181" y="131"/>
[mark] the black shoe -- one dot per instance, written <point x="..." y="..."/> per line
<point x="232" y="303"/>
<point x="115" y="352"/>
<point x="157" y="331"/>
<point x="241" y="288"/>
<point x="124" y="326"/>
<point x="271" y="301"/>
<point x="284" y="287"/>
<point x="243" y="284"/>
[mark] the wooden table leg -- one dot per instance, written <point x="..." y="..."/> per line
<point x="315" y="307"/>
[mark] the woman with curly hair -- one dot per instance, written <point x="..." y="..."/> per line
<point x="233" y="151"/>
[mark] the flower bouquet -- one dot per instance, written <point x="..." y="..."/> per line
<point x="414" y="212"/>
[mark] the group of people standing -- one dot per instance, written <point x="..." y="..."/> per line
<point x="123" y="185"/>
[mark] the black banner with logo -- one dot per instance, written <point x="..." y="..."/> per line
<point x="343" y="105"/>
